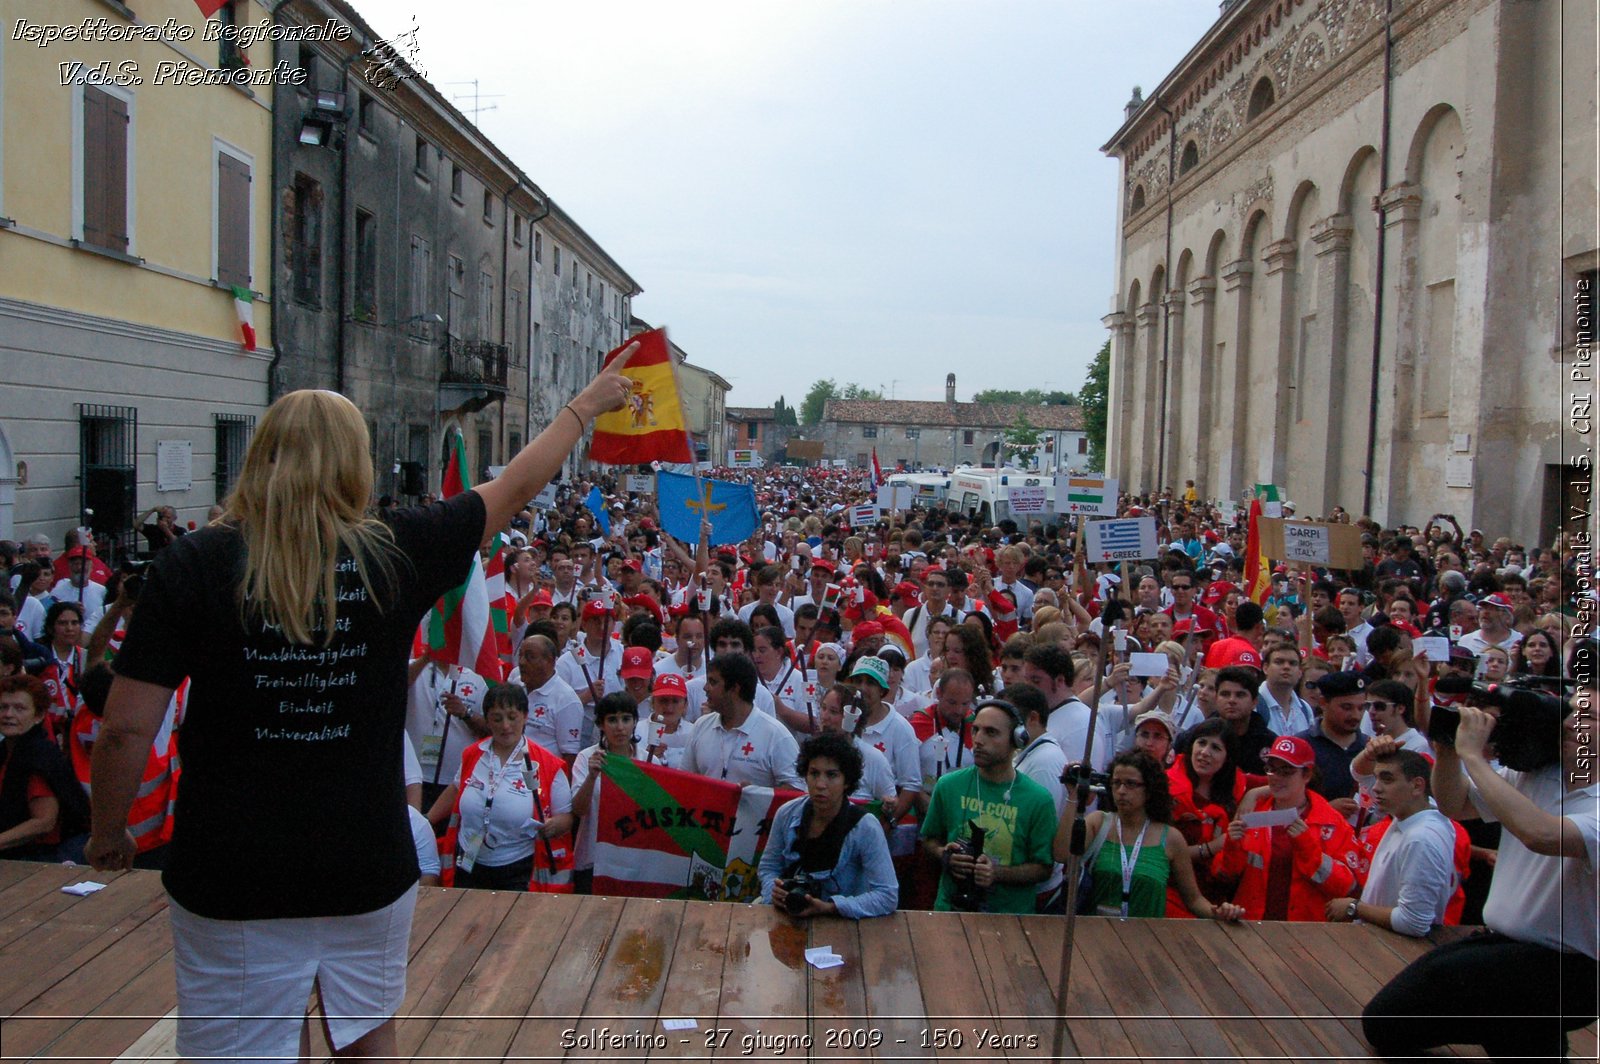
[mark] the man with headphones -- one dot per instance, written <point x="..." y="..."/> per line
<point x="1017" y="815"/>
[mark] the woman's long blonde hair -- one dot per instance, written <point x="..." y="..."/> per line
<point x="301" y="496"/>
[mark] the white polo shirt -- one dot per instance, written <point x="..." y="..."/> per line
<point x="570" y="667"/>
<point x="426" y="719"/>
<point x="555" y="717"/>
<point x="697" y="698"/>
<point x="759" y="752"/>
<point x="894" y="738"/>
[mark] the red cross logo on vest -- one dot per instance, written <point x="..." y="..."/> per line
<point x="879" y="746"/>
<point x="747" y="749"/>
<point x="538" y="711"/>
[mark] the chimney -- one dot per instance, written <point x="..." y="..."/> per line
<point x="1136" y="101"/>
<point x="950" y="388"/>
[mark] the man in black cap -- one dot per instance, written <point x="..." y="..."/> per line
<point x="1337" y="738"/>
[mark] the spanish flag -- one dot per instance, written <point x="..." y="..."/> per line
<point x="651" y="426"/>
<point x="1257" y="570"/>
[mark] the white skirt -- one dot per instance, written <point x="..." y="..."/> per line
<point x="243" y="984"/>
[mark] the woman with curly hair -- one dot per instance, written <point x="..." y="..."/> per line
<point x="1136" y="852"/>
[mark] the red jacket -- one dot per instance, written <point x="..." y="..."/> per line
<point x="1368" y="844"/>
<point x="1326" y="856"/>
<point x="1197" y="823"/>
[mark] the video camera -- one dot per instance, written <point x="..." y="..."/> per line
<point x="801" y="889"/>
<point x="968" y="896"/>
<point x="1527" y="731"/>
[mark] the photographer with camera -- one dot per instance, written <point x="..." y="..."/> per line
<point x="989" y="824"/>
<point x="1519" y="986"/>
<point x="825" y="855"/>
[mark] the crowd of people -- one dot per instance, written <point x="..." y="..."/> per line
<point x="949" y="697"/>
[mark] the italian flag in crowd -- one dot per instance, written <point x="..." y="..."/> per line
<point x="244" y="305"/>
<point x="1257" y="570"/>
<point x="469" y="625"/>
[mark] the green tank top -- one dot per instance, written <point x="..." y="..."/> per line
<point x="1149" y="894"/>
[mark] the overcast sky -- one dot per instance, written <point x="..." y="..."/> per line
<point x="877" y="192"/>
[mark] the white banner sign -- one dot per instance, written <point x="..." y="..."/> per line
<point x="1127" y="539"/>
<point x="895" y="497"/>
<point x="641" y="485"/>
<point x="1307" y="543"/>
<point x="1095" y="496"/>
<point x="1027" y="500"/>
<point x="742" y="459"/>
<point x="863" y="515"/>
<point x="174" y="465"/>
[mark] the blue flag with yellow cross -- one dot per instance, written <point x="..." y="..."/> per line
<point x="684" y="500"/>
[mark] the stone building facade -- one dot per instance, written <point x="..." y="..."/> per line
<point x="1349" y="234"/>
<point x="927" y="435"/>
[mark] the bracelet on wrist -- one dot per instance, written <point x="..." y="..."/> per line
<point x="581" y="423"/>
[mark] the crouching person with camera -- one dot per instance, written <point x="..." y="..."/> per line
<point x="825" y="855"/>
<point x="990" y="825"/>
<point x="1519" y="986"/>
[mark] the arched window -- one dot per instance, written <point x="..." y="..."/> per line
<point x="1190" y="157"/>
<point x="1261" y="97"/>
<point x="1137" y="203"/>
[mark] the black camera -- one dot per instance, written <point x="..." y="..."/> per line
<point x="801" y="889"/>
<point x="1527" y="733"/>
<point x="968" y="896"/>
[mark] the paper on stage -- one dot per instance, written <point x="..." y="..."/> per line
<point x="679" y="1025"/>
<point x="823" y="957"/>
<point x="1271" y="818"/>
<point x="83" y="889"/>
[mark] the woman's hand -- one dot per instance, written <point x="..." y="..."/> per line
<point x="1236" y="829"/>
<point x="1296" y="829"/>
<point x="113" y="853"/>
<point x="1228" y="912"/>
<point x="597" y="761"/>
<point x="609" y="390"/>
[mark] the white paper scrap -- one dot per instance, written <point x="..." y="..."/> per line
<point x="83" y="889"/>
<point x="1271" y="818"/>
<point x="679" y="1025"/>
<point x="823" y="957"/>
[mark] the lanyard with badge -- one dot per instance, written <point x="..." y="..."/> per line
<point x="480" y="838"/>
<point x="1129" y="863"/>
<point x="941" y="749"/>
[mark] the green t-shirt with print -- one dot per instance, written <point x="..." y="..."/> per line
<point x="1019" y="823"/>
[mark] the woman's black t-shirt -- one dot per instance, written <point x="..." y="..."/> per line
<point x="292" y="802"/>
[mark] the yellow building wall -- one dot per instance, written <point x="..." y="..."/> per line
<point x="174" y="171"/>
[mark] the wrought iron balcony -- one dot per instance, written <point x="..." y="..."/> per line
<point x="477" y="363"/>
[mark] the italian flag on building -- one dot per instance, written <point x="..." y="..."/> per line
<point x="244" y="305"/>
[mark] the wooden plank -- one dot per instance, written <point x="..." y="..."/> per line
<point x="627" y="994"/>
<point x="953" y="991"/>
<point x="1225" y="950"/>
<point x="123" y="1018"/>
<point x="893" y="994"/>
<point x="34" y="901"/>
<point x="1133" y="999"/>
<point x="563" y="990"/>
<point x="1190" y="988"/>
<point x="694" y="982"/>
<point x="763" y="985"/>
<point x="487" y="1008"/>
<point x="837" y="1004"/>
<point x="1023" y="1026"/>
<point x="1093" y="1030"/>
<point x="16" y="871"/>
<point x="1279" y="955"/>
<point x="446" y="955"/>
<point x="32" y="964"/>
<point x="85" y="991"/>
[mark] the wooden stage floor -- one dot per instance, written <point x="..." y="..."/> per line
<point x="522" y="977"/>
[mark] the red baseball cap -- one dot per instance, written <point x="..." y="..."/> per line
<point x="823" y="564"/>
<point x="1232" y="651"/>
<point x="637" y="664"/>
<point x="1291" y="750"/>
<point x="867" y="630"/>
<point x="907" y="592"/>
<point x="669" y="685"/>
<point x="542" y="598"/>
<point x="632" y="565"/>
<point x="595" y="608"/>
<point x="1216" y="591"/>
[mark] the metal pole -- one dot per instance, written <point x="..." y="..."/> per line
<point x="1109" y="613"/>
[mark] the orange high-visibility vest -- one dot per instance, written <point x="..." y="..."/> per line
<point x="150" y="816"/>
<point x="552" y="858"/>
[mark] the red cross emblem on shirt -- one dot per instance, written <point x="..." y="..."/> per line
<point x="811" y="690"/>
<point x="538" y="711"/>
<point x="747" y="749"/>
<point x="879" y="746"/>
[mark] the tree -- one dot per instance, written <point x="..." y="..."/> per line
<point x="811" y="406"/>
<point x="1031" y="397"/>
<point x="857" y="391"/>
<point x="1092" y="397"/>
<point x="783" y="413"/>
<point x="1021" y="438"/>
